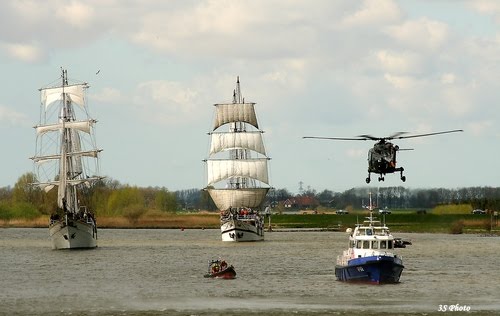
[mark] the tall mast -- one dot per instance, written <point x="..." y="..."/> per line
<point x="61" y="191"/>
<point x="66" y="172"/>
<point x="235" y="154"/>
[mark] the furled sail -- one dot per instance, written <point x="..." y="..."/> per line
<point x="83" y="126"/>
<point x="76" y="160"/>
<point x="235" y="112"/>
<point x="244" y="140"/>
<point x="88" y="153"/>
<point x="249" y="197"/>
<point x="75" y="93"/>
<point x="61" y="190"/>
<point x="222" y="169"/>
<point x="51" y="184"/>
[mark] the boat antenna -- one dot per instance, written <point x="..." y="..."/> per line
<point x="370" y="207"/>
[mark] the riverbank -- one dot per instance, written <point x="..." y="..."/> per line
<point x="399" y="222"/>
<point x="174" y="221"/>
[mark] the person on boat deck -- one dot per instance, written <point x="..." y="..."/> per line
<point x="223" y="265"/>
<point x="215" y="268"/>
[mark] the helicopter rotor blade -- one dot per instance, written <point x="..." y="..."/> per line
<point x="334" y="138"/>
<point x="366" y="137"/>
<point x="405" y="149"/>
<point x="395" y="135"/>
<point x="429" y="134"/>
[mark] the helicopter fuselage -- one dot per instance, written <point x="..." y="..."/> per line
<point x="382" y="160"/>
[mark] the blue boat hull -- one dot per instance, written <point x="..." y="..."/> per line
<point x="373" y="269"/>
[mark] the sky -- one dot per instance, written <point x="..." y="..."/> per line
<point x="314" y="68"/>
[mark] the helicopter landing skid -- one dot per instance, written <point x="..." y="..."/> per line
<point x="381" y="177"/>
<point x="401" y="169"/>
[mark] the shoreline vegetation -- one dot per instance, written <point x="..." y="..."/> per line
<point x="399" y="222"/>
<point x="116" y="205"/>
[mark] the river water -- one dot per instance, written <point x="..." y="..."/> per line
<point x="160" y="272"/>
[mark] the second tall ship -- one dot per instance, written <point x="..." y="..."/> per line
<point x="237" y="170"/>
<point x="66" y="162"/>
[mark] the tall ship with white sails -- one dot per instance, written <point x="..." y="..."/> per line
<point x="237" y="169"/>
<point x="66" y="160"/>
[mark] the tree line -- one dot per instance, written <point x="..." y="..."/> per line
<point x="109" y="197"/>
<point x="401" y="197"/>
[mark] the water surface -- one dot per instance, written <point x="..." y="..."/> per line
<point x="151" y="272"/>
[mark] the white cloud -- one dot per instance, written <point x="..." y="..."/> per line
<point x="108" y="95"/>
<point x="11" y="117"/>
<point x="489" y="7"/>
<point x="399" y="63"/>
<point x="479" y="128"/>
<point x="76" y="13"/>
<point x="421" y="34"/>
<point x="458" y="99"/>
<point x="400" y="82"/>
<point x="208" y="27"/>
<point x="24" y="52"/>
<point x="288" y="73"/>
<point x="448" y="78"/>
<point x="373" y="12"/>
<point x="235" y="29"/>
<point x="166" y="101"/>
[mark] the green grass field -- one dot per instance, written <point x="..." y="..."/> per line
<point x="403" y="221"/>
<point x="449" y="219"/>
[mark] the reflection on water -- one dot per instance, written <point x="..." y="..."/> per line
<point x="149" y="272"/>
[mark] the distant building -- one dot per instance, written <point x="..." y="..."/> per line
<point x="301" y="202"/>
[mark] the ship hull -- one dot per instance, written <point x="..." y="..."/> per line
<point x="228" y="273"/>
<point x="373" y="269"/>
<point x="72" y="234"/>
<point x="239" y="230"/>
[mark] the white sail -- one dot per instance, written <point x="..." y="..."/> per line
<point x="83" y="126"/>
<point x="222" y="169"/>
<point x="76" y="160"/>
<point x="235" y="112"/>
<point x="249" y="197"/>
<point x="50" y="184"/>
<point x="244" y="140"/>
<point x="88" y="153"/>
<point x="75" y="93"/>
<point x="61" y="190"/>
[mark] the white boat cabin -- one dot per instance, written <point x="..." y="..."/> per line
<point x="368" y="239"/>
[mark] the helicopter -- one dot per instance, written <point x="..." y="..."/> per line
<point x="382" y="157"/>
